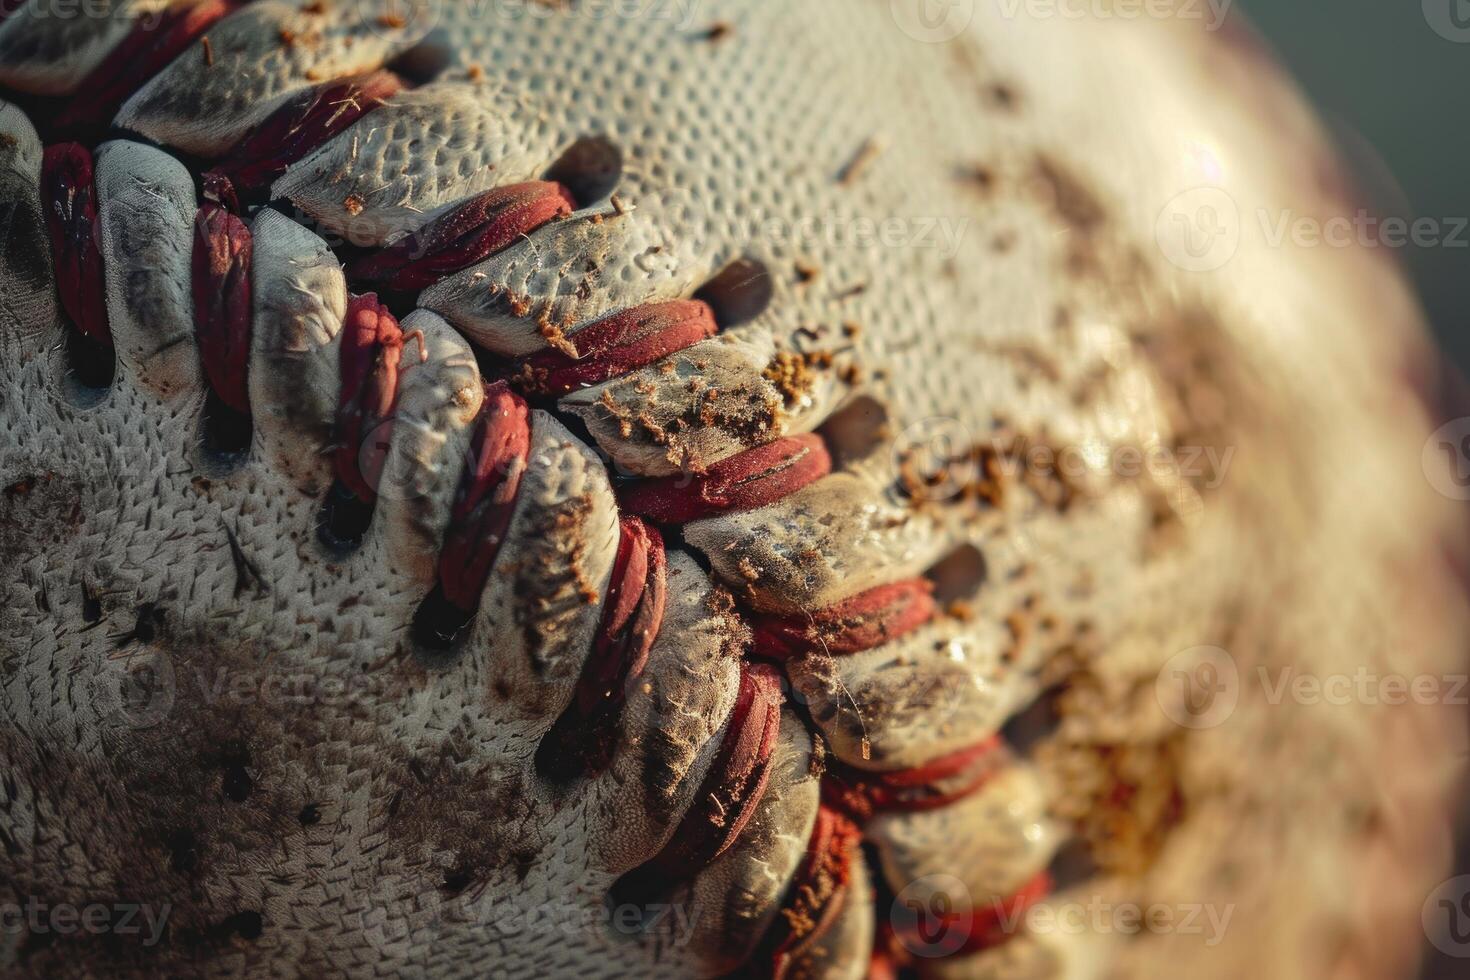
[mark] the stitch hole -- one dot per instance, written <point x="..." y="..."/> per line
<point x="590" y="168"/>
<point x="246" y="925"/>
<point x="644" y="889"/>
<point x="344" y="519"/>
<point x="440" y="627"/>
<point x="235" y="780"/>
<point x="1073" y="865"/>
<point x="457" y="881"/>
<point x="1039" y="721"/>
<point x="856" y="431"/>
<point x="739" y="292"/>
<point x="183" y="851"/>
<point x="92" y="367"/>
<point x="426" y="61"/>
<point x="959" y="576"/>
<point x="227" y="432"/>
<point x="558" y="759"/>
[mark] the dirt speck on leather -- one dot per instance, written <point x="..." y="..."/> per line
<point x="191" y="805"/>
<point x="861" y="161"/>
<point x="1074" y="202"/>
<point x="42" y="510"/>
<point x="1003" y="96"/>
<point x="555" y="334"/>
<point x="553" y="583"/>
<point x="452" y="812"/>
<point x="794" y="373"/>
<point x="1124" y="798"/>
<point x="751" y="412"/>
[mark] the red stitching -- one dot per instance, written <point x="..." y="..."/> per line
<point x="621" y="342"/>
<point x="223" y="307"/>
<point x="616" y="345"/>
<point x="486" y="497"/>
<point x="467" y="233"/>
<point x="864" y="795"/>
<point x="371" y="345"/>
<point x="818" y="895"/>
<point x="866" y="620"/>
<point x="147" y="50"/>
<point x="70" y="198"/>
<point x="985" y="924"/>
<point x="303" y="124"/>
<point x="736" y="779"/>
<point x="752" y="479"/>
<point x="632" y="612"/>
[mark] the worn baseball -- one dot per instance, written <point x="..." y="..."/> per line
<point x="580" y="488"/>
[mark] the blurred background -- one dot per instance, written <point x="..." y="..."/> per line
<point x="1392" y="78"/>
